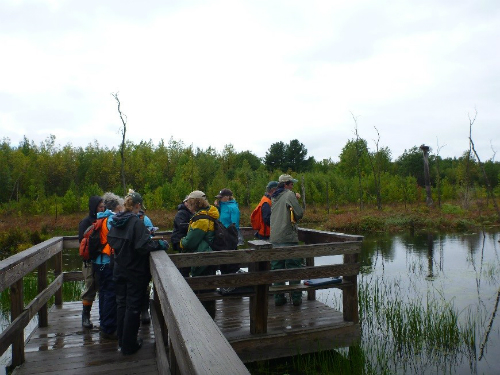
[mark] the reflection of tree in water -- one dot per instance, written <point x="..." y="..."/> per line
<point x="375" y="246"/>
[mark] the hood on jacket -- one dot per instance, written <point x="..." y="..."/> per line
<point x="106" y="213"/>
<point x="94" y="202"/>
<point x="229" y="203"/>
<point x="120" y="219"/>
<point x="210" y="211"/>
<point x="278" y="192"/>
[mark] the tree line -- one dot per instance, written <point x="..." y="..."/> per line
<point x="49" y="178"/>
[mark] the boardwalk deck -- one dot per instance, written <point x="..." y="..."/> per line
<point x="65" y="348"/>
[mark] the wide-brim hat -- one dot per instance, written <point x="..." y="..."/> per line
<point x="287" y="178"/>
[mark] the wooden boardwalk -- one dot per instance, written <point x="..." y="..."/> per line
<point x="246" y="328"/>
<point x="64" y="347"/>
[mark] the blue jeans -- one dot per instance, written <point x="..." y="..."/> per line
<point x="107" y="297"/>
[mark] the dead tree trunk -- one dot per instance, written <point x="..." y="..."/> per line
<point x="488" y="185"/>
<point x="122" y="147"/>
<point x="425" y="150"/>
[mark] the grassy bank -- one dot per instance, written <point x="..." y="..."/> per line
<point x="18" y="232"/>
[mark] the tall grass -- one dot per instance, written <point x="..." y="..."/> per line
<point x="71" y="292"/>
<point x="412" y="332"/>
<point x="403" y="331"/>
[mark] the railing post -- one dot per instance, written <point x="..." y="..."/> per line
<point x="43" y="320"/>
<point x="350" y="294"/>
<point x="16" y="308"/>
<point x="259" y="302"/>
<point x="57" y="271"/>
<point x="311" y="294"/>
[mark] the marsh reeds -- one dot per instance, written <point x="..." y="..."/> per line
<point x="410" y="329"/>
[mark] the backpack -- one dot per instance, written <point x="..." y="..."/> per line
<point x="224" y="238"/>
<point x="255" y="217"/>
<point x="91" y="246"/>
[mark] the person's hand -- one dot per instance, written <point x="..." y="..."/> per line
<point x="163" y="244"/>
<point x="297" y="195"/>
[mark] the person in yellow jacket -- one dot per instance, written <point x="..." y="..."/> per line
<point x="199" y="236"/>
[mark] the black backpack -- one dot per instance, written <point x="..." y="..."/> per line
<point x="224" y="238"/>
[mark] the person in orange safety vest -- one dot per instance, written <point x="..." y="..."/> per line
<point x="261" y="216"/>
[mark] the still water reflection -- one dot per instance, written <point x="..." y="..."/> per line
<point x="426" y="281"/>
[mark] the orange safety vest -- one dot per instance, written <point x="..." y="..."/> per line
<point x="264" y="230"/>
<point x="104" y="238"/>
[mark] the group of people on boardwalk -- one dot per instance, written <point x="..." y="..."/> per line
<point x="121" y="272"/>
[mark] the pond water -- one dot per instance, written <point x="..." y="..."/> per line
<point x="445" y="287"/>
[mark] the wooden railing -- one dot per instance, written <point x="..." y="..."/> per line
<point x="12" y="272"/>
<point x="187" y="339"/>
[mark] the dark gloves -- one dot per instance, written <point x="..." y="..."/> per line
<point x="163" y="244"/>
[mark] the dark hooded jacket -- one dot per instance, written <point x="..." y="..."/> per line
<point x="181" y="224"/>
<point x="86" y="222"/>
<point x="132" y="243"/>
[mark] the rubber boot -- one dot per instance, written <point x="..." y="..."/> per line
<point x="145" y="317"/>
<point x="86" y="323"/>
<point x="129" y="342"/>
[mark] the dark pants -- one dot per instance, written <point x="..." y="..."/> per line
<point x="107" y="297"/>
<point x="130" y="292"/>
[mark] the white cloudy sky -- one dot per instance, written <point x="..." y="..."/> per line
<point x="252" y="73"/>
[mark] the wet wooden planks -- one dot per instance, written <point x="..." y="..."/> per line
<point x="311" y="327"/>
<point x="64" y="347"/>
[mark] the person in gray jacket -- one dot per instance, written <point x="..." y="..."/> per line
<point x="285" y="212"/>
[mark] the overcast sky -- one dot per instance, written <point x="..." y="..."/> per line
<point x="252" y="73"/>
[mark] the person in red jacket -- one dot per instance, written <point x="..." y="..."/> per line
<point x="263" y="213"/>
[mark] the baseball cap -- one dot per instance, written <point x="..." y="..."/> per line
<point x="224" y="193"/>
<point x="136" y="198"/>
<point x="286" y="178"/>
<point x="196" y="194"/>
<point x="271" y="185"/>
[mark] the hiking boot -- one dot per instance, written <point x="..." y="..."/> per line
<point x="86" y="323"/>
<point x="134" y="349"/>
<point x="145" y="317"/>
<point x="296" y="298"/>
<point x="108" y="336"/>
<point x="279" y="300"/>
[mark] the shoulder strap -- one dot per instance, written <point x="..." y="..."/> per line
<point x="202" y="216"/>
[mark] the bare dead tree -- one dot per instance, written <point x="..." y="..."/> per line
<point x="489" y="189"/>
<point x="438" y="177"/>
<point x="358" y="161"/>
<point x="425" y="149"/>
<point x="303" y="188"/>
<point x="375" y="164"/>
<point x="123" y="130"/>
